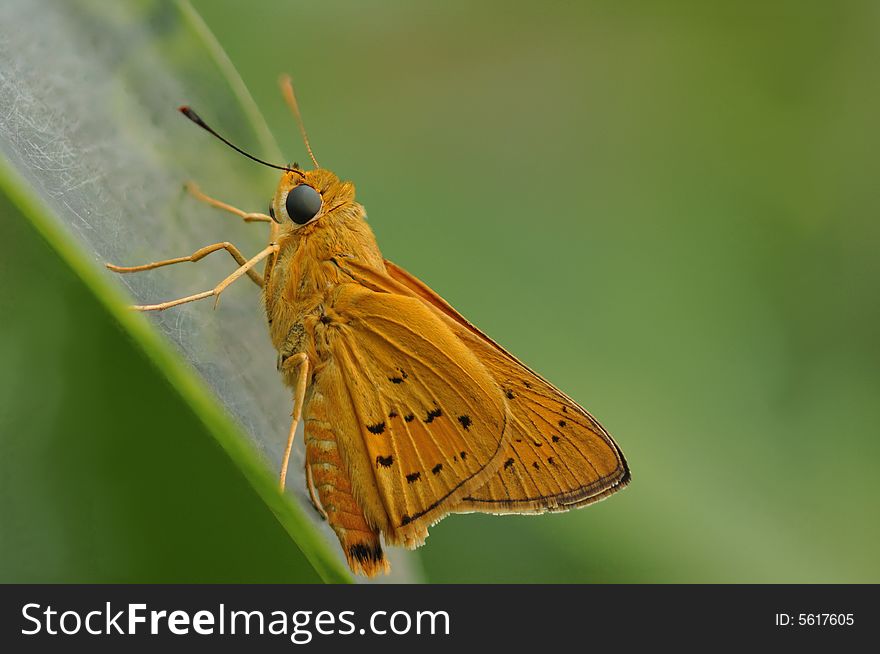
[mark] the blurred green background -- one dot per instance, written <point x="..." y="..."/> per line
<point x="670" y="212"/>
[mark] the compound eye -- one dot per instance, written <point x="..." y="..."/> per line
<point x="303" y="203"/>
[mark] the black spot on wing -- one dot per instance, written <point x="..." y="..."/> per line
<point x="413" y="476"/>
<point x="510" y="394"/>
<point x="508" y="463"/>
<point x="393" y="414"/>
<point x="465" y="421"/>
<point x="408" y="417"/>
<point x="399" y="377"/>
<point x="463" y="455"/>
<point x="555" y="438"/>
<point x="384" y="461"/>
<point x="437" y="468"/>
<point x="378" y="428"/>
<point x="562" y="423"/>
<point x="433" y="413"/>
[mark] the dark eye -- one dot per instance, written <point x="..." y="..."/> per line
<point x="272" y="212"/>
<point x="303" y="202"/>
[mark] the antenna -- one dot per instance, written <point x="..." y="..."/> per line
<point x="290" y="98"/>
<point x="193" y="116"/>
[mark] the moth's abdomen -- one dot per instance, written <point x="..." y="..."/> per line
<point x="331" y="478"/>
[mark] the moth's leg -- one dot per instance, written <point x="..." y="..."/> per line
<point x="248" y="217"/>
<point x="217" y="290"/>
<point x="313" y="498"/>
<point x="195" y="256"/>
<point x="301" y="361"/>
<point x="359" y="540"/>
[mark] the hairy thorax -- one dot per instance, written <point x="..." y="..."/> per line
<point x="304" y="277"/>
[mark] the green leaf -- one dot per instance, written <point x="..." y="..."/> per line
<point x="94" y="155"/>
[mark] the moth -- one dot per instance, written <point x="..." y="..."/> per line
<point x="410" y="412"/>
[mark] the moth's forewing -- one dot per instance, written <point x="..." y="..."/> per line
<point x="556" y="455"/>
<point x="420" y="419"/>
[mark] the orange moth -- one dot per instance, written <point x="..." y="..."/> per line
<point x="410" y="412"/>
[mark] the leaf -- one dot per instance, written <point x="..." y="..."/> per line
<point x="94" y="155"/>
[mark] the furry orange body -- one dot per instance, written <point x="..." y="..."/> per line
<point x="302" y="282"/>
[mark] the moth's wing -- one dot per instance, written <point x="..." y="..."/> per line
<point x="556" y="455"/>
<point x="424" y="418"/>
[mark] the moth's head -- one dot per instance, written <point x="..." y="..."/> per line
<point x="304" y="197"/>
